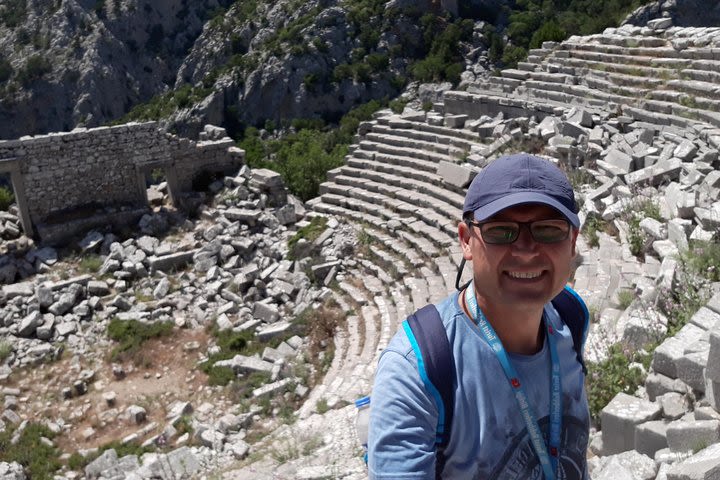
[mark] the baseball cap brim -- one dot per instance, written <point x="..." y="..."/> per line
<point x="521" y="198"/>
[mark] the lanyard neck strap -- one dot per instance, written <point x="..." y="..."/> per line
<point x="549" y="461"/>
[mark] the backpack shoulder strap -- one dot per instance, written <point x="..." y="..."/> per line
<point x="574" y="313"/>
<point x="436" y="365"/>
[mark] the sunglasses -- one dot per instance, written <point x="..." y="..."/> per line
<point x="500" y="232"/>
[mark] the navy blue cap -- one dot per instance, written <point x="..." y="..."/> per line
<point x="516" y="180"/>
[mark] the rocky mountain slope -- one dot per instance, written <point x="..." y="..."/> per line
<point x="88" y="62"/>
<point x="68" y="62"/>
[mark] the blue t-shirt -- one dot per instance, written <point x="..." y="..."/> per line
<point x="489" y="438"/>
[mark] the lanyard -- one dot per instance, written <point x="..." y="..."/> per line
<point x="548" y="462"/>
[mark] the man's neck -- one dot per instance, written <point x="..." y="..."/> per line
<point x="519" y="330"/>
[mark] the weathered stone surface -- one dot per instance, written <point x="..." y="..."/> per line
<point x="651" y="437"/>
<point x="457" y="175"/>
<point x="619" y="419"/>
<point x="684" y="436"/>
<point x="107" y="460"/>
<point x="242" y="363"/>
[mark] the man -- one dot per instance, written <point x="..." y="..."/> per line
<point x="519" y="231"/>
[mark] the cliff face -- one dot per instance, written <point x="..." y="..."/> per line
<point x="88" y="62"/>
<point x="684" y="13"/>
<point x="69" y="62"/>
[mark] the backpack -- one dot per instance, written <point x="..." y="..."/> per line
<point x="435" y="360"/>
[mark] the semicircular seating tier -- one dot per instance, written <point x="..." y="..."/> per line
<point x="666" y="78"/>
<point x="403" y="188"/>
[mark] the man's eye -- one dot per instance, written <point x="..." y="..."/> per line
<point x="500" y="231"/>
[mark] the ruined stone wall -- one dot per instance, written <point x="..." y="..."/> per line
<point x="65" y="175"/>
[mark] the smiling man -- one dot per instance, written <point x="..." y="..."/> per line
<point x="519" y="408"/>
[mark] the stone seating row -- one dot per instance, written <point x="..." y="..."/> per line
<point x="405" y="244"/>
<point x="691" y="81"/>
<point x="396" y="138"/>
<point x="393" y="181"/>
<point x="418" y="209"/>
<point x="436" y="212"/>
<point x="407" y="130"/>
<point x="397" y="122"/>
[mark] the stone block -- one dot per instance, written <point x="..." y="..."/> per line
<point x="243" y="364"/>
<point x="690" y="370"/>
<point x="620" y="418"/>
<point x="29" y="324"/>
<point x="455" y="121"/>
<point x="267" y="312"/>
<point x="672" y="349"/>
<point x="686" y="436"/>
<point x="107" y="460"/>
<point x="678" y="229"/>
<point x="685" y="151"/>
<point x="271" y="388"/>
<point x="136" y="414"/>
<point x="169" y="262"/>
<point x="709" y="320"/>
<point x="620" y="160"/>
<point x="651" y="437"/>
<point x="273" y="330"/>
<point x="456" y="175"/>
<point x="655" y="174"/>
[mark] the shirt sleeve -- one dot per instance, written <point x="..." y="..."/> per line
<point x="403" y="420"/>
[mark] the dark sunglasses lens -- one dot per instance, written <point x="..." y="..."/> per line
<point x="500" y="233"/>
<point x="550" y="232"/>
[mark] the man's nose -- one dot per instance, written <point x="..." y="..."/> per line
<point x="525" y="242"/>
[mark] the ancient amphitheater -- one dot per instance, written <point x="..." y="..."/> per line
<point x="638" y="108"/>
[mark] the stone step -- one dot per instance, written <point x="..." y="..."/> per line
<point x="435" y="284"/>
<point x="407" y="152"/>
<point x="439" y="228"/>
<point x="399" y="122"/>
<point x="434" y="138"/>
<point x="396" y="139"/>
<point x="478" y="103"/>
<point x="419" y="292"/>
<point x="404" y="178"/>
<point x="407" y="251"/>
<point x="354" y="293"/>
<point x="405" y="167"/>
<point x="669" y="66"/>
<point x="370" y="175"/>
<point x="403" y="305"/>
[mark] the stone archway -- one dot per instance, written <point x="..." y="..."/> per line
<point x="170" y="175"/>
<point x="12" y="166"/>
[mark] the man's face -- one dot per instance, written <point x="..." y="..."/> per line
<point x="525" y="274"/>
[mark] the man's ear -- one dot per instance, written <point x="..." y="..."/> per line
<point x="464" y="234"/>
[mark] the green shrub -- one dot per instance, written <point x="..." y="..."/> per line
<point x="6" y="198"/>
<point x="636" y="211"/>
<point x="549" y="32"/>
<point x="6" y="70"/>
<point x="612" y="376"/>
<point x="625" y="298"/>
<point x="6" y="349"/>
<point x="593" y="224"/>
<point x="342" y="72"/>
<point x="309" y="232"/>
<point x="131" y="334"/>
<point x="697" y="271"/>
<point x="378" y="61"/>
<point x="13" y="12"/>
<point x="397" y="105"/>
<point x="35" y="68"/>
<point x="39" y="460"/>
<point x="90" y="263"/>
